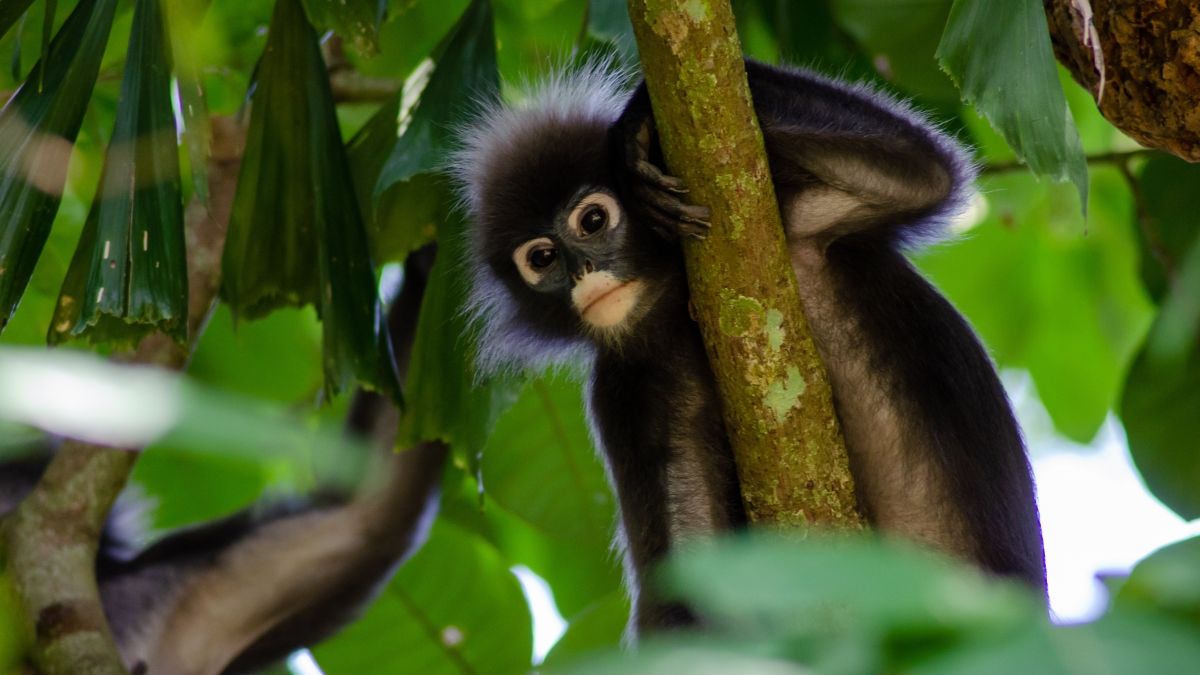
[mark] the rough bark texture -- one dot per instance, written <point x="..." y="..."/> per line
<point x="50" y="539"/>
<point x="1148" y="60"/>
<point x="775" y="392"/>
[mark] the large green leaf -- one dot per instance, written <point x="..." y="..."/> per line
<point x="465" y="67"/>
<point x="539" y="464"/>
<point x="296" y="235"/>
<point x="37" y="128"/>
<point x="453" y="608"/>
<point x="11" y="11"/>
<point x="445" y="399"/>
<point x="128" y="276"/>
<point x="999" y="55"/>
<point x="1169" y="580"/>
<point x="597" y="627"/>
<point x="1162" y="396"/>
<point x="404" y="217"/>
<point x="1171" y="198"/>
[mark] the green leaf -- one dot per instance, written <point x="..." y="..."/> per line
<point x="900" y="40"/>
<point x="71" y="393"/>
<point x="185" y="21"/>
<point x="465" y="68"/>
<point x="1171" y="198"/>
<point x="1117" y="643"/>
<point x="539" y="464"/>
<point x="597" y="627"/>
<point x="1162" y="396"/>
<point x="783" y="584"/>
<point x="37" y="128"/>
<point x="1167" y="580"/>
<point x="1048" y="294"/>
<point x="445" y="400"/>
<point x="999" y="55"/>
<point x="453" y="608"/>
<point x="11" y="11"/>
<point x="355" y="20"/>
<point x="608" y="20"/>
<point x="296" y="234"/>
<point x="403" y="218"/>
<point x="128" y="276"/>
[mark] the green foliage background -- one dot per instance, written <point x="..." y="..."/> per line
<point x="1100" y="311"/>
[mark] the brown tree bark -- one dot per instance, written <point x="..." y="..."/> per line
<point x="1141" y="61"/>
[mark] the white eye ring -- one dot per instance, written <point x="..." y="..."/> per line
<point x="521" y="257"/>
<point x="602" y="199"/>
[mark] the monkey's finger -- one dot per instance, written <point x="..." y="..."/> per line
<point x="674" y="215"/>
<point x="653" y="175"/>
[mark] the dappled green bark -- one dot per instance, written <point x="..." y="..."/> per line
<point x="775" y="392"/>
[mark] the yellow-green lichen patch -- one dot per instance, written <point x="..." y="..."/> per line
<point x="775" y="331"/>
<point x="697" y="10"/>
<point x="739" y="314"/>
<point x="782" y="397"/>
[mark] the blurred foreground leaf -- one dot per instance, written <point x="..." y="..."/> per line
<point x="296" y="235"/>
<point x="128" y="276"/>
<point x="1168" y="580"/>
<point x="999" y="54"/>
<point x="81" y="396"/>
<point x="37" y="128"/>
<point x="453" y="608"/>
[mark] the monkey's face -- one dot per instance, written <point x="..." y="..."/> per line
<point x="591" y="259"/>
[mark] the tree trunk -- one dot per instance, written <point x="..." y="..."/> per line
<point x="774" y="390"/>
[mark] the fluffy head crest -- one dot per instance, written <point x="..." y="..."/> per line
<point x="513" y="166"/>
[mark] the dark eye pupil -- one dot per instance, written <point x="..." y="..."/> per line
<point x="593" y="220"/>
<point x="542" y="258"/>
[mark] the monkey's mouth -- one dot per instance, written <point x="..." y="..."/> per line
<point x="603" y="301"/>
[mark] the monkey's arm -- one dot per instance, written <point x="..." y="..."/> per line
<point x="843" y="158"/>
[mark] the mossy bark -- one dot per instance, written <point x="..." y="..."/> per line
<point x="1141" y="61"/>
<point x="775" y="392"/>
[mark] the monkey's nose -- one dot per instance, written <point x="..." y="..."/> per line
<point x="588" y="268"/>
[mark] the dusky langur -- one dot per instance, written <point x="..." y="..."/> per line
<point x="235" y="595"/>
<point x="576" y="256"/>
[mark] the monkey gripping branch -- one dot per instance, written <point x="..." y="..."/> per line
<point x="775" y="392"/>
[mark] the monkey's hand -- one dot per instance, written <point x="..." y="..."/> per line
<point x="659" y="196"/>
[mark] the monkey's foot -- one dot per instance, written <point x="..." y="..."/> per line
<point x="662" y="195"/>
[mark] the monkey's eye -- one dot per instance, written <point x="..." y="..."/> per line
<point x="593" y="220"/>
<point x="534" y="259"/>
<point x="541" y="258"/>
<point x="594" y="213"/>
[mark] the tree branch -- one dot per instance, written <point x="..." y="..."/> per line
<point x="1138" y="59"/>
<point x="775" y="392"/>
<point x="1120" y="158"/>
<point x="51" y="537"/>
